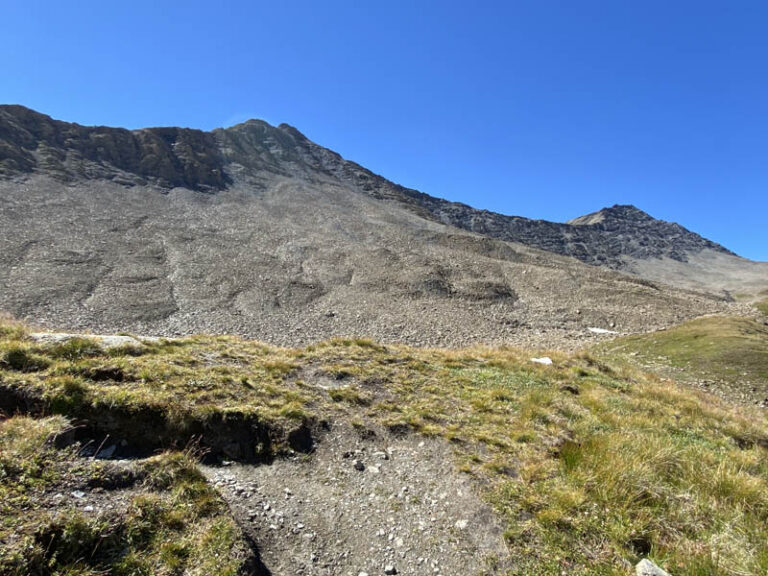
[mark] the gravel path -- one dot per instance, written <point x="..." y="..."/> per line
<point x="365" y="504"/>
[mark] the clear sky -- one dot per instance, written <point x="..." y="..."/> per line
<point x="547" y="109"/>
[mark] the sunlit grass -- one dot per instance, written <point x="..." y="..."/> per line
<point x="592" y="464"/>
<point x="171" y="523"/>
<point x="724" y="348"/>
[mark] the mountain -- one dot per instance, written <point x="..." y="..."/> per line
<point x="255" y="229"/>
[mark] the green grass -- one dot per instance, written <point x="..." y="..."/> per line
<point x="763" y="306"/>
<point x="724" y="348"/>
<point x="591" y="464"/>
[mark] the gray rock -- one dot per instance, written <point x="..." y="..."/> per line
<point x="139" y="182"/>
<point x="106" y="453"/>
<point x="647" y="568"/>
<point x="358" y="465"/>
<point x="389" y="569"/>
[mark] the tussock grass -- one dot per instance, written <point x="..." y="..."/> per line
<point x="168" y="522"/>
<point x="187" y="379"/>
<point x="763" y="306"/>
<point x="592" y="463"/>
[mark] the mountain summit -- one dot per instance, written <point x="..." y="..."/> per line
<point x="255" y="229"/>
<point x="178" y="157"/>
<point x="616" y="213"/>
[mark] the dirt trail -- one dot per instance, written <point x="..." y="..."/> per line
<point x="365" y="504"/>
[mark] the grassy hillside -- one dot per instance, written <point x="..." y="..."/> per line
<point x="763" y="306"/>
<point x="726" y="354"/>
<point x="591" y="466"/>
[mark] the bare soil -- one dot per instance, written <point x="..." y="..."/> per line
<point x="364" y="501"/>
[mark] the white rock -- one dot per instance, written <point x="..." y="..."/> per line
<point x="647" y="568"/>
<point x="546" y="360"/>
<point x="600" y="330"/>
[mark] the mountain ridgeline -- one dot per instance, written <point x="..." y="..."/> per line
<point x="257" y="230"/>
<point x="210" y="161"/>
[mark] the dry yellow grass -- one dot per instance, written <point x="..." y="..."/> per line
<point x="591" y="465"/>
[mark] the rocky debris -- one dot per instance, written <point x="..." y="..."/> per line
<point x="139" y="268"/>
<point x="113" y="491"/>
<point x="647" y="568"/>
<point x="179" y="157"/>
<point x="255" y="230"/>
<point x="168" y="156"/>
<point x="407" y="513"/>
<point x="624" y="233"/>
<point x="741" y="391"/>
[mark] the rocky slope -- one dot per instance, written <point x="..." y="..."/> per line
<point x="177" y="157"/>
<point x="256" y="230"/>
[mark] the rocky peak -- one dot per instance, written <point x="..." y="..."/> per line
<point x="168" y="157"/>
<point x="252" y="152"/>
<point x="616" y="213"/>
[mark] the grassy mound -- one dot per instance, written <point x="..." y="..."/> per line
<point x="156" y="517"/>
<point x="592" y="466"/>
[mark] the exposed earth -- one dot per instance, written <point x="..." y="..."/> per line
<point x="364" y="501"/>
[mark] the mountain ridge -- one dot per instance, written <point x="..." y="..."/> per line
<point x="204" y="161"/>
<point x="258" y="231"/>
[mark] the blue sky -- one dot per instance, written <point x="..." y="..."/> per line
<point x="547" y="109"/>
